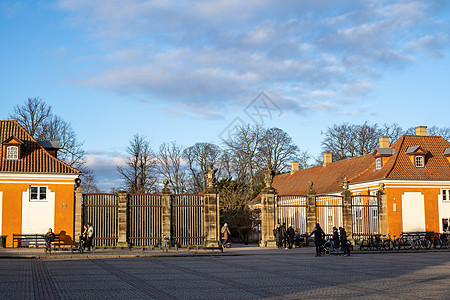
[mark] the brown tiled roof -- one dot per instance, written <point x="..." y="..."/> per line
<point x="326" y="179"/>
<point x="34" y="158"/>
<point x="400" y="166"/>
<point x="361" y="169"/>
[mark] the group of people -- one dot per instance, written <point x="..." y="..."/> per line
<point x="339" y="240"/>
<point x="87" y="236"/>
<point x="284" y="237"/>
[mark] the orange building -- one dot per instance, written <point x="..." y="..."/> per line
<point x="415" y="171"/>
<point x="36" y="189"/>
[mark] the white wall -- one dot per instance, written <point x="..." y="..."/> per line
<point x="444" y="211"/>
<point x="38" y="216"/>
<point x="413" y="212"/>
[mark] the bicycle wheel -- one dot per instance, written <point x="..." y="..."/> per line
<point x="417" y="244"/>
<point x="407" y="244"/>
<point x="387" y="245"/>
<point x="427" y="244"/>
<point x="363" y="245"/>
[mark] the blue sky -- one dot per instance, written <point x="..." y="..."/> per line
<point x="185" y="70"/>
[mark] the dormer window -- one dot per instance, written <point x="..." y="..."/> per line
<point x="12" y="153"/>
<point x="417" y="156"/>
<point x="378" y="163"/>
<point x="419" y="161"/>
<point x="11" y="148"/>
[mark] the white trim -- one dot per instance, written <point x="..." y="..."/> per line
<point x="393" y="183"/>
<point x="32" y="176"/>
<point x="38" y="182"/>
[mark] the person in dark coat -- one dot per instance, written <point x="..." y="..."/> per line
<point x="343" y="236"/>
<point x="318" y="237"/>
<point x="277" y="235"/>
<point x="335" y="238"/>
<point x="283" y="234"/>
<point x="290" y="235"/>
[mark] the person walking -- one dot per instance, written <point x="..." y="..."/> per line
<point x="343" y="240"/>
<point x="49" y="239"/>
<point x="290" y="236"/>
<point x="277" y="235"/>
<point x="90" y="236"/>
<point x="318" y="237"/>
<point x="283" y="233"/>
<point x="335" y="238"/>
<point x="225" y="234"/>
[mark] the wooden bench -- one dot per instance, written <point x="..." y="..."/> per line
<point x="35" y="240"/>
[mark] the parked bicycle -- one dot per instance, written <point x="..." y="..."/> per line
<point x="373" y="242"/>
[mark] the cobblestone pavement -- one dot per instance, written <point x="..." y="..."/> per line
<point x="279" y="275"/>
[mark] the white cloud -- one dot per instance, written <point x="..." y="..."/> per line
<point x="198" y="56"/>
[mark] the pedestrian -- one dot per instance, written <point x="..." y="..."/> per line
<point x="49" y="239"/>
<point x="318" y="238"/>
<point x="343" y="240"/>
<point x="290" y="235"/>
<point x="225" y="234"/>
<point x="277" y="235"/>
<point x="335" y="238"/>
<point x="283" y="233"/>
<point x="90" y="236"/>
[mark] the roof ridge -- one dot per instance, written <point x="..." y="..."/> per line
<point x="396" y="156"/>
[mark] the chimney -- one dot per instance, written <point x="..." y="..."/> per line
<point x="327" y="158"/>
<point x="294" y="166"/>
<point x="384" y="141"/>
<point x="421" y="130"/>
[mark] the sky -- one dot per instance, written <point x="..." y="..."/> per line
<point x="189" y="71"/>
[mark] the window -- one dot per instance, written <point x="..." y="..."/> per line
<point x="445" y="195"/>
<point x="445" y="225"/>
<point x="12" y="152"/>
<point x="419" y="161"/>
<point x="38" y="193"/>
<point x="378" y="163"/>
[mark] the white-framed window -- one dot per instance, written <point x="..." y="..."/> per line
<point x="445" y="195"/>
<point x="419" y="161"/>
<point x="12" y="153"/>
<point x="378" y="163"/>
<point x="38" y="193"/>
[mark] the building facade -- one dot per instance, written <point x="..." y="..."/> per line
<point x="36" y="189"/>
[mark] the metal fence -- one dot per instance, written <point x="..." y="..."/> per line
<point x="291" y="210"/>
<point x="188" y="219"/>
<point x="329" y="212"/>
<point x="144" y="219"/>
<point x="101" y="210"/>
<point x="365" y="215"/>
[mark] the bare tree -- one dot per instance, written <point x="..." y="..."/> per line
<point x="234" y="195"/>
<point x="139" y="169"/>
<point x="37" y="118"/>
<point x="338" y="141"/>
<point x="33" y="116"/>
<point x="170" y="166"/>
<point x="243" y="149"/>
<point x="198" y="157"/>
<point x="365" y="139"/>
<point x="277" y="149"/>
<point x="393" y="131"/>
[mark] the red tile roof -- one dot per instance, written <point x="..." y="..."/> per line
<point x="34" y="158"/>
<point x="361" y="169"/>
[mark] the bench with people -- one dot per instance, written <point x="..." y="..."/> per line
<point x="50" y="240"/>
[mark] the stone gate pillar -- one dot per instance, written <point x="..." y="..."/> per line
<point x="382" y="210"/>
<point x="310" y="208"/>
<point x="122" y="219"/>
<point x="268" y="211"/>
<point x="166" y="214"/>
<point x="211" y="211"/>
<point x="78" y="217"/>
<point x="347" y="209"/>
